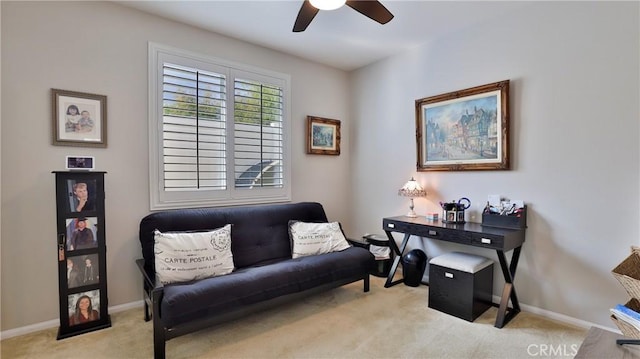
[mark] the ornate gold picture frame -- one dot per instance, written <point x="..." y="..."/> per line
<point x="464" y="130"/>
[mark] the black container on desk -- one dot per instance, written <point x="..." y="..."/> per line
<point x="514" y="221"/>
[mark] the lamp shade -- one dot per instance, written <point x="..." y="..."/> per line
<point x="412" y="189"/>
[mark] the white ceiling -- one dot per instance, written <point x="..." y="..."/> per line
<point x="341" y="38"/>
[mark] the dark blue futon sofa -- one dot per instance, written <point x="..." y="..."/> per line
<point x="265" y="275"/>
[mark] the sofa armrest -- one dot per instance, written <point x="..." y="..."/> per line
<point x="149" y="280"/>
<point x="358" y="243"/>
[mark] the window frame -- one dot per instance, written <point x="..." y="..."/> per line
<point x="161" y="199"/>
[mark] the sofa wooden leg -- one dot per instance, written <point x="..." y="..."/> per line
<point x="159" y="339"/>
<point x="366" y="283"/>
<point x="158" y="346"/>
<point x="147" y="316"/>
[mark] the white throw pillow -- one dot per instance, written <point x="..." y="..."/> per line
<point x="186" y="256"/>
<point x="316" y="238"/>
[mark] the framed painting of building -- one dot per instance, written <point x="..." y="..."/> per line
<point x="464" y="130"/>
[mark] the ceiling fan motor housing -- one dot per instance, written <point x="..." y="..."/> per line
<point x="371" y="9"/>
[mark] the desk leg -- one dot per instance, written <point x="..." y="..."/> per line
<point x="509" y="291"/>
<point x="398" y="255"/>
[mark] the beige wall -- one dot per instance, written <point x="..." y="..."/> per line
<point x="101" y="48"/>
<point x="575" y="108"/>
<point x="575" y="151"/>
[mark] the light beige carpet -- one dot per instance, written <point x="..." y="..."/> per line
<point x="342" y="323"/>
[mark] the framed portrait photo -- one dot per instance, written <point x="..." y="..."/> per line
<point x="84" y="307"/>
<point x="81" y="195"/>
<point x="82" y="233"/>
<point x="464" y="130"/>
<point x="79" y="119"/>
<point x="323" y="136"/>
<point x="82" y="270"/>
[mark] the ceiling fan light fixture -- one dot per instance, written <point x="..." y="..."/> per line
<point x="327" y="4"/>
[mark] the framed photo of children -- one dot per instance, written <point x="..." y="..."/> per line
<point x="323" y="136"/>
<point x="79" y="119"/>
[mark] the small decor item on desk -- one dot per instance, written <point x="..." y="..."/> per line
<point x="508" y="214"/>
<point x="453" y="212"/>
<point x="432" y="216"/>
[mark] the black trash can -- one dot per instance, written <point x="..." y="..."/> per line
<point x="413" y="266"/>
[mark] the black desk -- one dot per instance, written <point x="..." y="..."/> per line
<point x="473" y="234"/>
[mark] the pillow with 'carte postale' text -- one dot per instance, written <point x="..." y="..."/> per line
<point x="188" y="256"/>
<point x="316" y="238"/>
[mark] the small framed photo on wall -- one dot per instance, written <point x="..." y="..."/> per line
<point x="323" y="136"/>
<point x="79" y="119"/>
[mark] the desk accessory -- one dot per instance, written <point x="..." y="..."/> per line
<point x="453" y="212"/>
<point x="508" y="215"/>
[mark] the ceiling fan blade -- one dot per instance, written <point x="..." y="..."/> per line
<point x="372" y="9"/>
<point x="305" y="15"/>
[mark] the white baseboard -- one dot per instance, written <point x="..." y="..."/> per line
<point x="138" y="304"/>
<point x="560" y="317"/>
<point x="565" y="318"/>
<point x="56" y="322"/>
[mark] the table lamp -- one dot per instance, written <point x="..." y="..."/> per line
<point x="412" y="189"/>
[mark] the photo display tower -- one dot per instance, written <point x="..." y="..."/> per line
<point x="81" y="247"/>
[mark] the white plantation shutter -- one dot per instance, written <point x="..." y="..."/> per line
<point x="194" y="154"/>
<point x="258" y="150"/>
<point x="218" y="132"/>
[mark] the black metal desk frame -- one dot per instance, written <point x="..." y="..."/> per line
<point x="474" y="234"/>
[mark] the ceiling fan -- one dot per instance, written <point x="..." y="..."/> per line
<point x="369" y="8"/>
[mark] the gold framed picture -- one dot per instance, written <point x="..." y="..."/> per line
<point x="323" y="136"/>
<point x="464" y="130"/>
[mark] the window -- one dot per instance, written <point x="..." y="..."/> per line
<point x="218" y="132"/>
